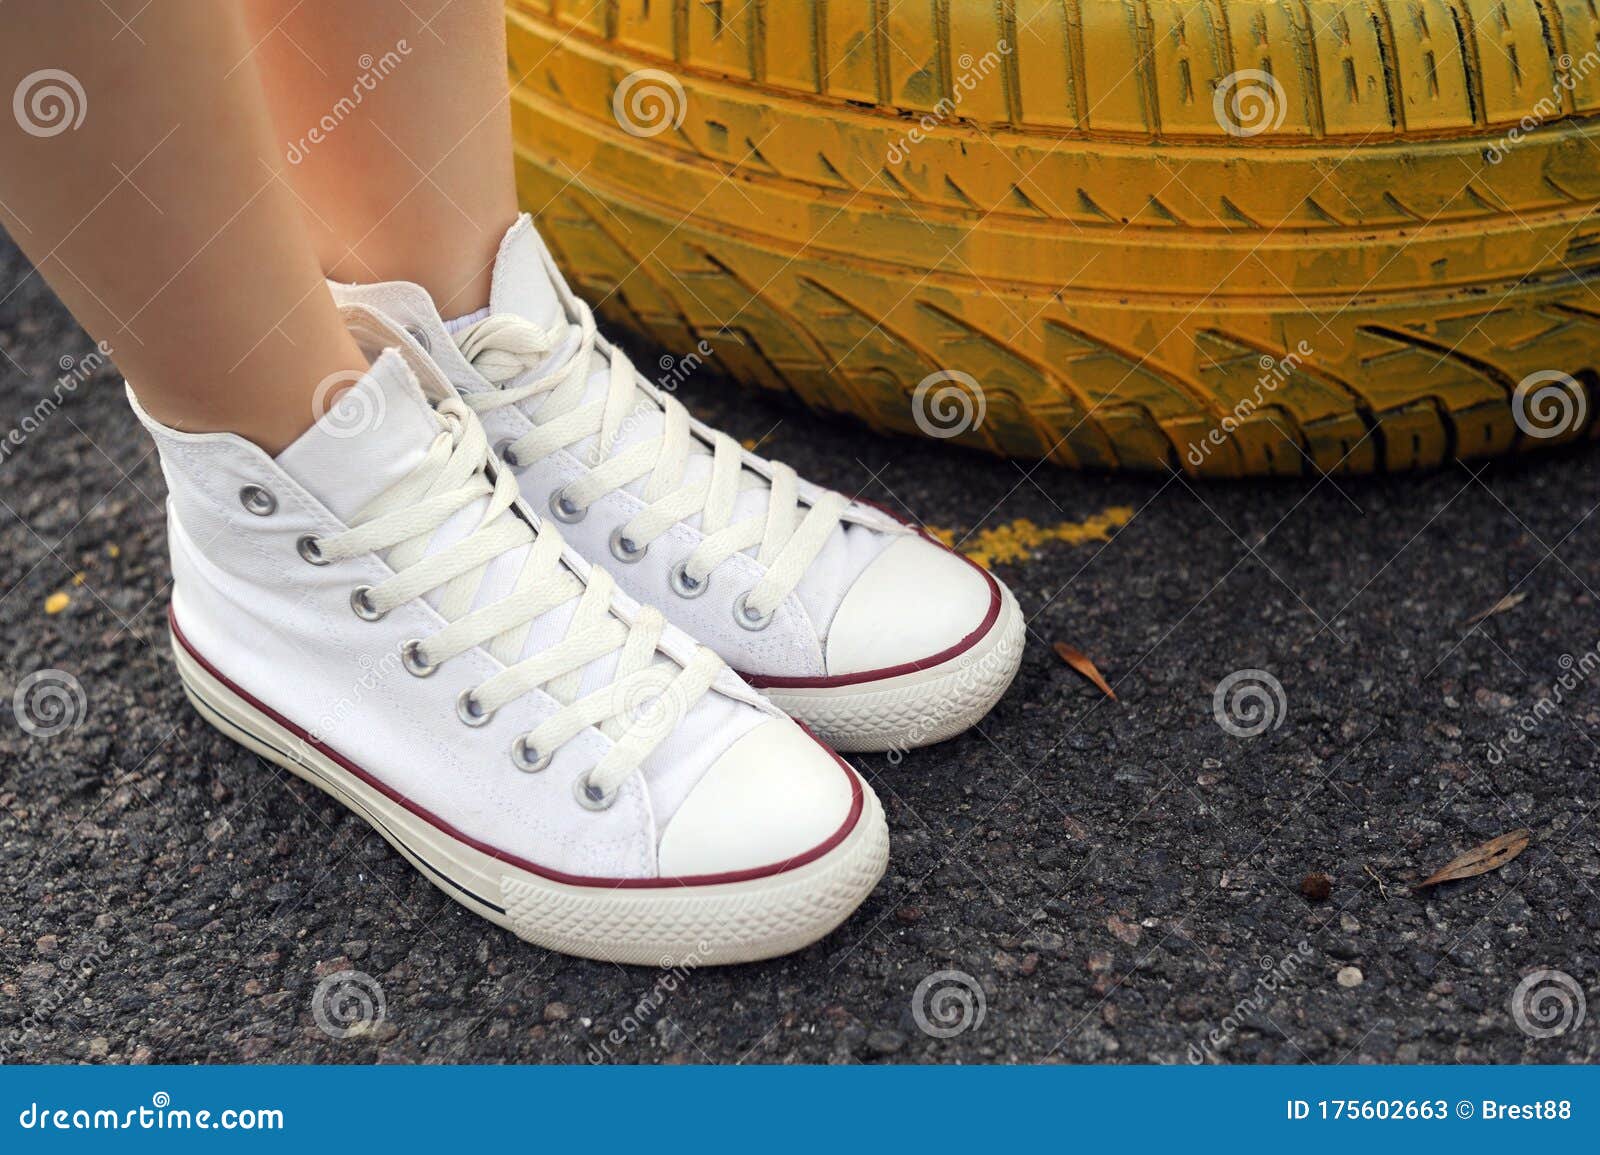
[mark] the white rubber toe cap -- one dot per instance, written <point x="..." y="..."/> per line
<point x="915" y="600"/>
<point x="777" y="797"/>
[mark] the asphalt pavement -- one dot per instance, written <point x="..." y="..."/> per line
<point x="1165" y="877"/>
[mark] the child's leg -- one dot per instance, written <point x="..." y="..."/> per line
<point x="408" y="174"/>
<point x="161" y="218"/>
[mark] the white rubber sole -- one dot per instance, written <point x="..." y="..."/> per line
<point x="671" y="926"/>
<point x="917" y="708"/>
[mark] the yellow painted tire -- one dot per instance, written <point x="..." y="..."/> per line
<point x="1231" y="236"/>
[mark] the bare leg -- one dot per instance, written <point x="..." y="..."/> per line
<point x="408" y="175"/>
<point x="160" y="219"/>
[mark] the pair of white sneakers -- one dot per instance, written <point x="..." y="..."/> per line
<point x="388" y="610"/>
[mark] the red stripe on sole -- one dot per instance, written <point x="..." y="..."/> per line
<point x="857" y="804"/>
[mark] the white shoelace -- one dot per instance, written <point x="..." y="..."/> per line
<point x="648" y="694"/>
<point x="504" y="347"/>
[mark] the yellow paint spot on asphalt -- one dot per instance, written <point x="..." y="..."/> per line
<point x="114" y="550"/>
<point x="78" y="578"/>
<point x="56" y="602"/>
<point x="1015" y="541"/>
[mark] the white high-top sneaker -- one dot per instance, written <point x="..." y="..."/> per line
<point x="377" y="611"/>
<point x="871" y="632"/>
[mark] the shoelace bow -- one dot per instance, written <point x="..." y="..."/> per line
<point x="504" y="347"/>
<point x="647" y="696"/>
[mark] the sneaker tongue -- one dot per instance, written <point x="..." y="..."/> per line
<point x="372" y="435"/>
<point x="521" y="281"/>
<point x="523" y="286"/>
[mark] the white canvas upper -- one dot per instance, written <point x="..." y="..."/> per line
<point x="874" y="594"/>
<point x="726" y="783"/>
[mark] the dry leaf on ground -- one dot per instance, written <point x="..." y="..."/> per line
<point x="1078" y="661"/>
<point x="1492" y="855"/>
<point x="1509" y="602"/>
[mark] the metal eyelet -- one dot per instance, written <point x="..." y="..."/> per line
<point x="411" y="659"/>
<point x="502" y="450"/>
<point x="745" y="618"/>
<point x="525" y="758"/>
<point x="623" y="549"/>
<point x="590" y="796"/>
<point x="310" y="550"/>
<point x="563" y="510"/>
<point x="468" y="710"/>
<point x="361" y="602"/>
<point x="685" y="586"/>
<point x="258" y="501"/>
<point x="420" y="336"/>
